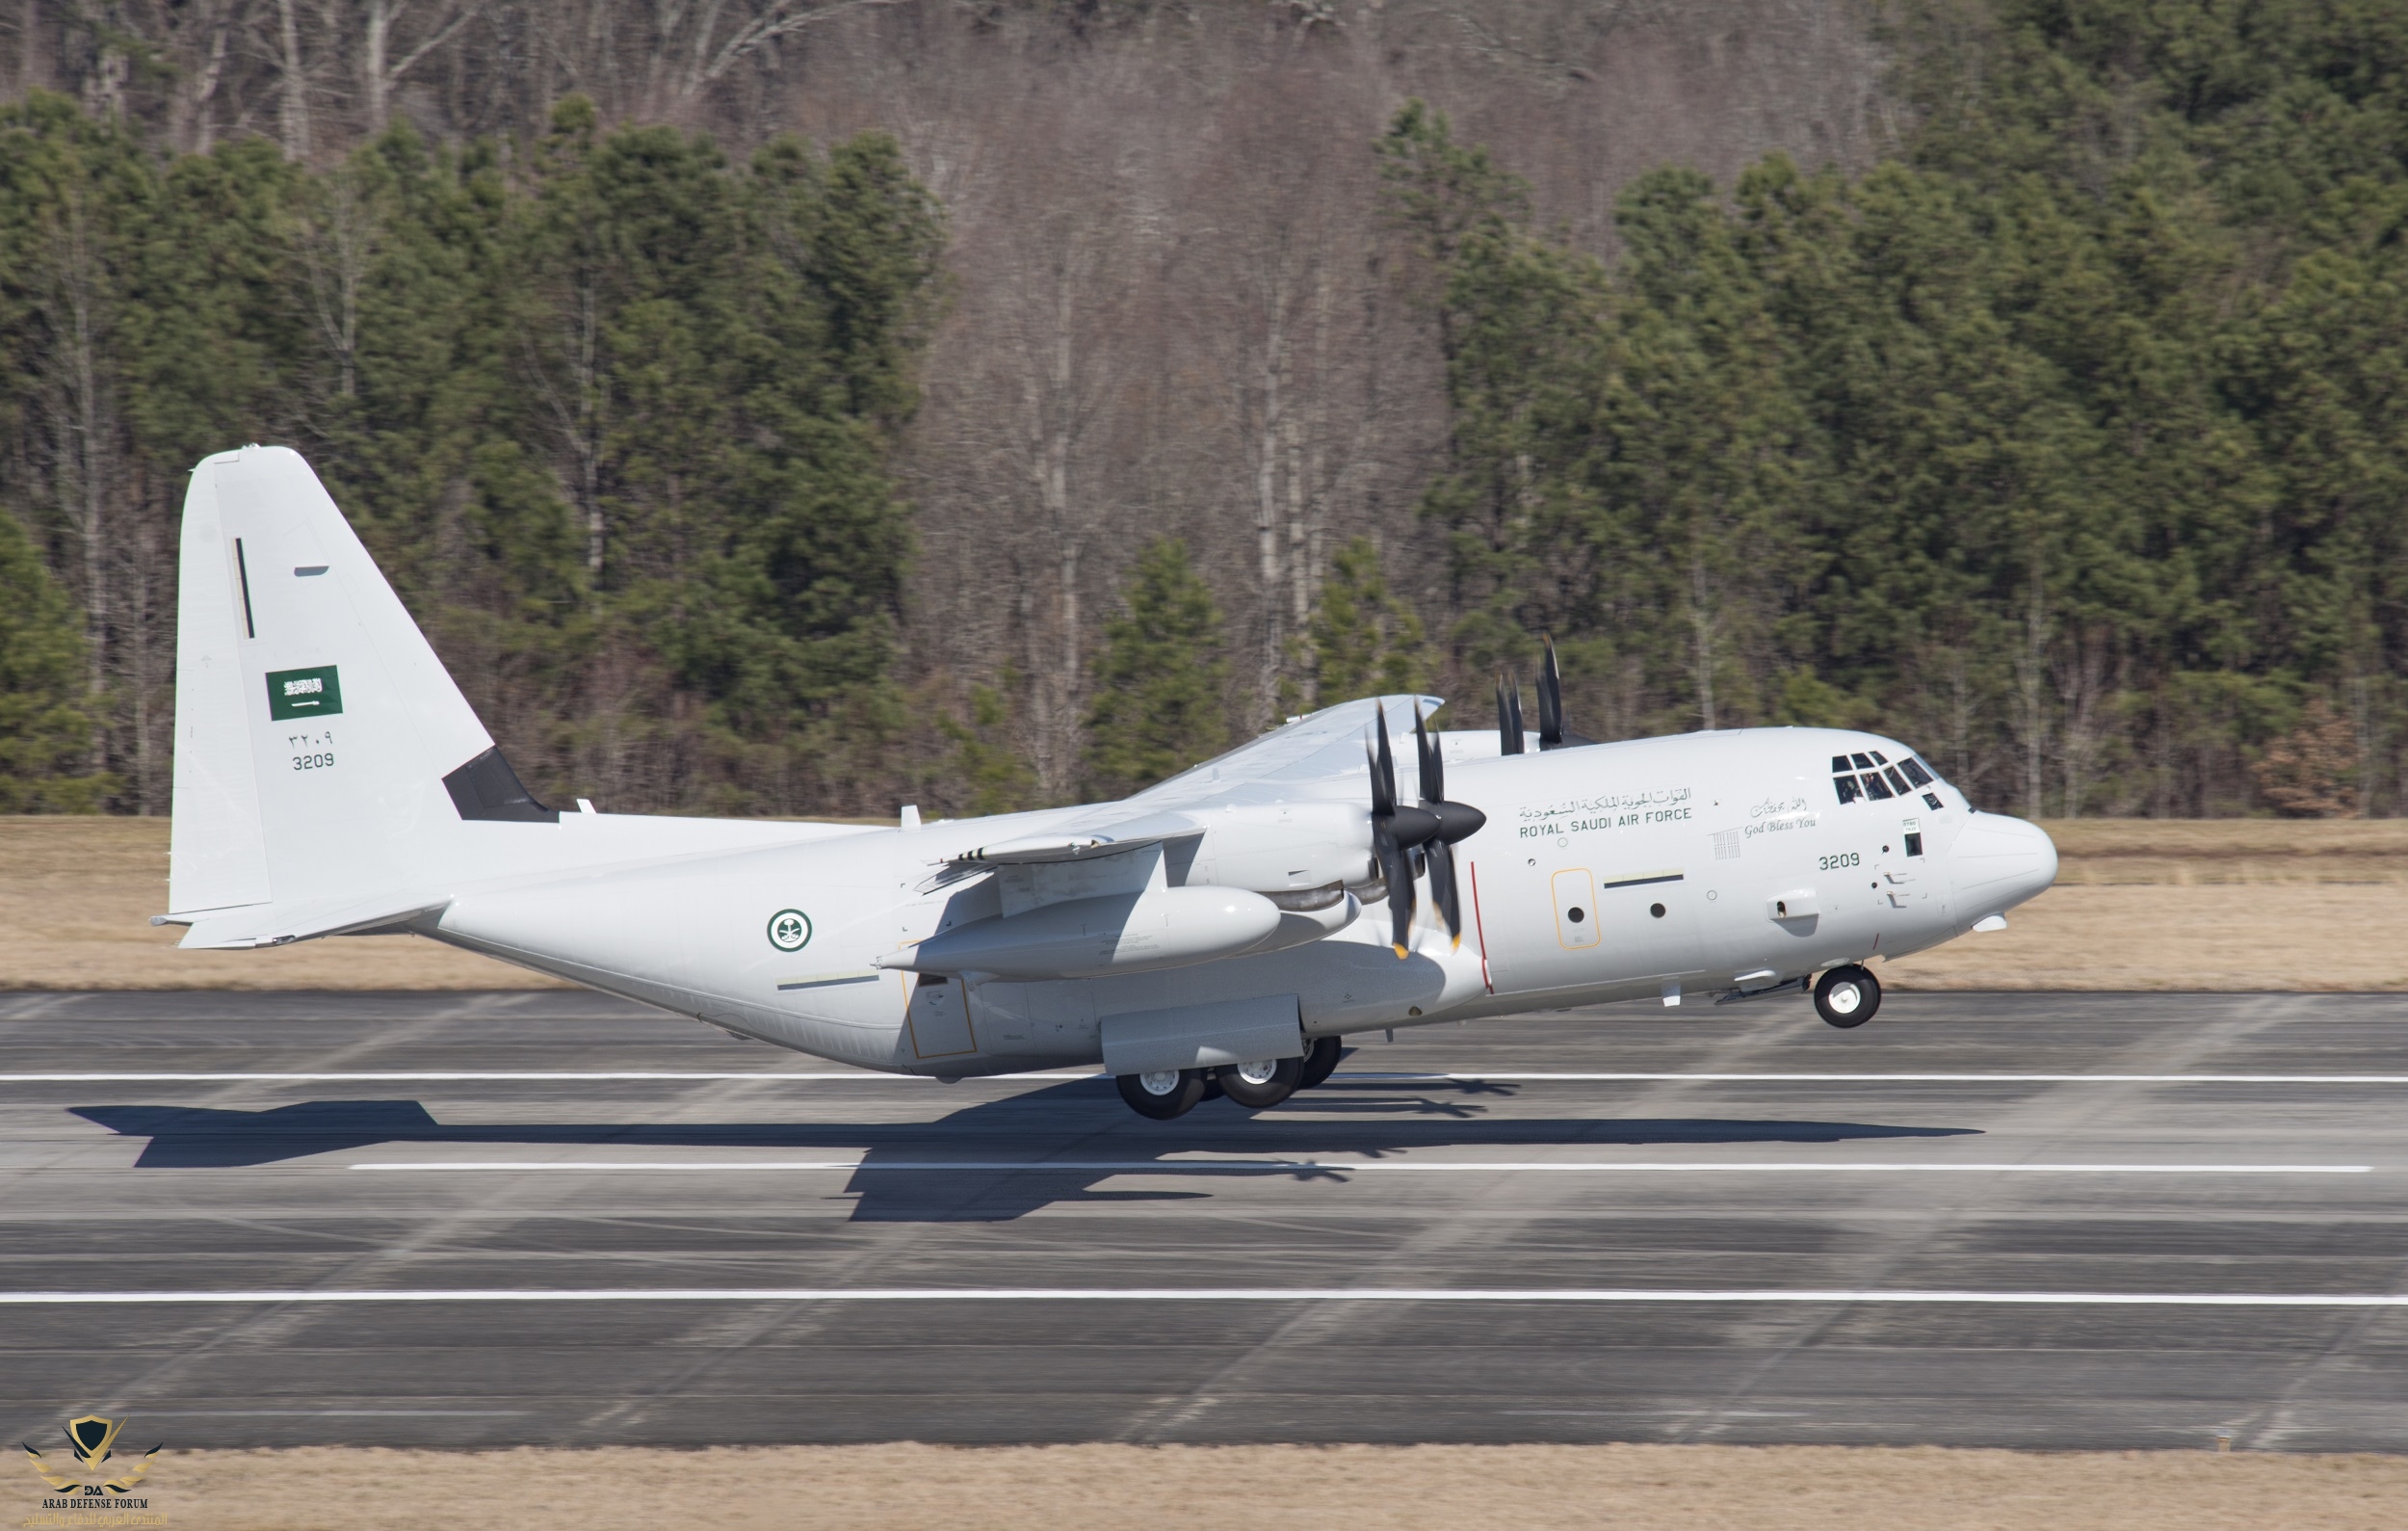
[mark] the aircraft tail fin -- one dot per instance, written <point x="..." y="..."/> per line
<point x="323" y="758"/>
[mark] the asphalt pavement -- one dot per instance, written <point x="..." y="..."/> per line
<point x="2093" y="1221"/>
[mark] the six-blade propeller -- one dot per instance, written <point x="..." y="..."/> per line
<point x="1431" y="827"/>
<point x="1407" y="839"/>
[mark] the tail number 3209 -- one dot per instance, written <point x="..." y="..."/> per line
<point x="313" y="762"/>
<point x="1843" y="858"/>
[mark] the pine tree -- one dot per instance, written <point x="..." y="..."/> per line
<point x="45" y="735"/>
<point x="984" y="772"/>
<point x="1162" y="678"/>
<point x="1364" y="641"/>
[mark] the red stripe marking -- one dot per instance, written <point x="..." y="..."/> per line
<point x="1478" y="930"/>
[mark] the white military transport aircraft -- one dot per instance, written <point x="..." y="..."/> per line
<point x="1217" y="934"/>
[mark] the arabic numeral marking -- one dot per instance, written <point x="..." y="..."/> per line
<point x="1843" y="858"/>
<point x="313" y="762"/>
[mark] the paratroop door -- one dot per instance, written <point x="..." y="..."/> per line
<point x="1575" y="907"/>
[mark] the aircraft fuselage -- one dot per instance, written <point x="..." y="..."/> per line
<point x="1669" y="868"/>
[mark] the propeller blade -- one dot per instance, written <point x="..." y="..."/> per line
<point x="1400" y="905"/>
<point x="1550" y="699"/>
<point x="1440" y="856"/>
<point x="1425" y="756"/>
<point x="1509" y="718"/>
<point x="1383" y="771"/>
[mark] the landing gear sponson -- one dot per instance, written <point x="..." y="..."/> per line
<point x="1256" y="1086"/>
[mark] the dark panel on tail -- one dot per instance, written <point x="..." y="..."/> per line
<point x="488" y="788"/>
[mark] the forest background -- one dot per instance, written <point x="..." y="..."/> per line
<point x="777" y="406"/>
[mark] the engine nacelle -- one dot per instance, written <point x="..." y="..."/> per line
<point x="1284" y="846"/>
<point x="1088" y="937"/>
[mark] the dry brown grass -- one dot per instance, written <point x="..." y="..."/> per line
<point x="2247" y="904"/>
<point x="76" y="897"/>
<point x="996" y="1489"/>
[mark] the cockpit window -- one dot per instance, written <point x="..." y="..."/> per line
<point x="1859" y="777"/>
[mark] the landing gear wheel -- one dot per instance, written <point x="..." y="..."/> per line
<point x="1321" y="1061"/>
<point x="1260" y="1086"/>
<point x="1164" y="1095"/>
<point x="1847" y="997"/>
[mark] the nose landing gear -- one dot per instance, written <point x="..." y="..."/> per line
<point x="1847" y="997"/>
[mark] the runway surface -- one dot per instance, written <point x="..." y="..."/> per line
<point x="2063" y="1221"/>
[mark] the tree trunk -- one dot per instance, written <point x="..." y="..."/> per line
<point x="294" y="107"/>
<point x="375" y="43"/>
<point x="2030" y="668"/>
<point x="1270" y="428"/>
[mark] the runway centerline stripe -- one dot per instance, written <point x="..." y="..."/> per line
<point x="1220" y="1294"/>
<point x="1338" y="1166"/>
<point x="864" y="1076"/>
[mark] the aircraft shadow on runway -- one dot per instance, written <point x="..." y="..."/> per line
<point x="1082" y="1122"/>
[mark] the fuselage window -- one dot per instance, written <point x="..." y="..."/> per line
<point x="1915" y="771"/>
<point x="1878" y="759"/>
<point x="1876" y="788"/>
<point x="1862" y="764"/>
<point x="1897" y="781"/>
<point x="1845" y="786"/>
<point x="1840" y="766"/>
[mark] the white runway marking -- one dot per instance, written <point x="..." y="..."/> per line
<point x="865" y="1076"/>
<point x="454" y="1077"/>
<point x="1330" y="1165"/>
<point x="1222" y="1294"/>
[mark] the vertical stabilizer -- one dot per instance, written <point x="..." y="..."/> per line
<point x="314" y="727"/>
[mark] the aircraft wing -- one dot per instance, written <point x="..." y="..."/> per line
<point x="1318" y="755"/>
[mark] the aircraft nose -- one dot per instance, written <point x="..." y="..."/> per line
<point x="1997" y="862"/>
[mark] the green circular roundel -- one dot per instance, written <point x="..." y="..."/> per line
<point x="790" y="930"/>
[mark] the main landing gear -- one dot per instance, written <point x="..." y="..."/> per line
<point x="1847" y="997"/>
<point x="1256" y="1086"/>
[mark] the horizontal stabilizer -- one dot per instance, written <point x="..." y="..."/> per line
<point x="274" y="925"/>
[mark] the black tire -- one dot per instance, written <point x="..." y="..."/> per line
<point x="1176" y="1100"/>
<point x="1321" y="1061"/>
<point x="1847" y="997"/>
<point x="1277" y="1082"/>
